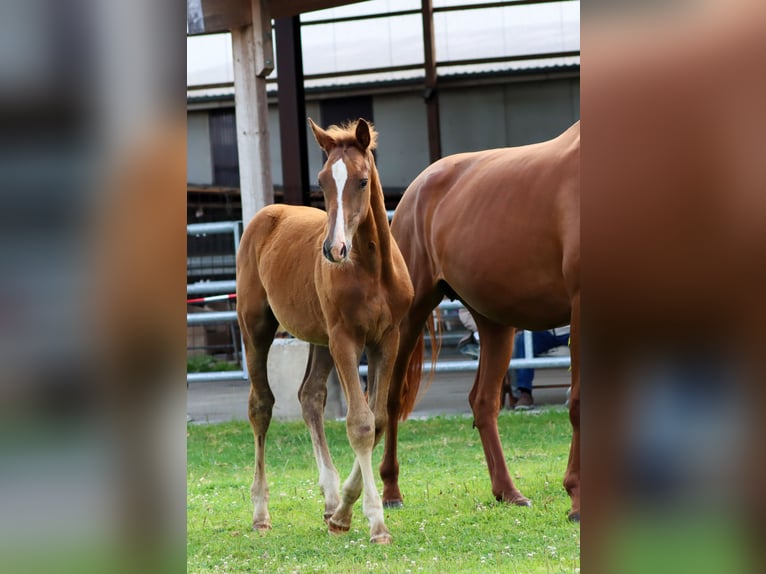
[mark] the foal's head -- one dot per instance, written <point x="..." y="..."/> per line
<point x="345" y="182"/>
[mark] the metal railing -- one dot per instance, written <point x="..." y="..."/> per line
<point x="218" y="287"/>
<point x="215" y="287"/>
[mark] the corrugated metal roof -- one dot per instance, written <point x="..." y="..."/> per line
<point x="383" y="78"/>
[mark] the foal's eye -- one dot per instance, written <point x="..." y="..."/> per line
<point x="363" y="183"/>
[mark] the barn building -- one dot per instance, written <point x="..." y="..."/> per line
<point x="436" y="77"/>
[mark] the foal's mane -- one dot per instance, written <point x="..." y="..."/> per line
<point x="345" y="134"/>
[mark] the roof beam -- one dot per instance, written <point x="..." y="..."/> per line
<point x="284" y="8"/>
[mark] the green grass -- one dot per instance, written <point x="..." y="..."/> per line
<point x="450" y="522"/>
<point x="208" y="364"/>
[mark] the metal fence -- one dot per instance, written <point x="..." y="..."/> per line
<point x="207" y="287"/>
<point x="204" y="265"/>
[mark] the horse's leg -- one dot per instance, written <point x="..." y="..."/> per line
<point x="258" y="328"/>
<point x="354" y="485"/>
<point x="426" y="299"/>
<point x="484" y="398"/>
<point x="313" y="396"/>
<point x="381" y="366"/>
<point x="360" y="428"/>
<point x="572" y="476"/>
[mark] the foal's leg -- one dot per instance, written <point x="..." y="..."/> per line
<point x="572" y="476"/>
<point x="258" y="329"/>
<point x="494" y="356"/>
<point x="360" y="427"/>
<point x="313" y="396"/>
<point x="381" y="359"/>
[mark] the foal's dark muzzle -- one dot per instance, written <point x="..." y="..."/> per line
<point x="335" y="253"/>
<point x="326" y="250"/>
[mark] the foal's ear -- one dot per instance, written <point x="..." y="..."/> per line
<point x="363" y="134"/>
<point x="325" y="141"/>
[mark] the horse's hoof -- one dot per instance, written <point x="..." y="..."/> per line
<point x="517" y="500"/>
<point x="261" y="526"/>
<point x="384" y="538"/>
<point x="335" y="528"/>
<point x="574" y="516"/>
<point x="393" y="504"/>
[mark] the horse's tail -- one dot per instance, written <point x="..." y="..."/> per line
<point x="412" y="378"/>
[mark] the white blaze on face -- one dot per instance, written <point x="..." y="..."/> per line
<point x="340" y="174"/>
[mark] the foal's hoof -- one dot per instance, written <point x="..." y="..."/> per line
<point x="574" y="516"/>
<point x="393" y="504"/>
<point x="262" y="526"/>
<point x="384" y="538"/>
<point x="335" y="528"/>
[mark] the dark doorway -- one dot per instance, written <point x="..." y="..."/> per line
<point x="339" y="110"/>
<point x="223" y="147"/>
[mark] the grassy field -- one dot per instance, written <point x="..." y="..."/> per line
<point x="450" y="523"/>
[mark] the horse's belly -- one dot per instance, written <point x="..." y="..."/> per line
<point x="520" y="303"/>
<point x="535" y="315"/>
<point x="304" y="333"/>
<point x="287" y="273"/>
<point x="302" y="319"/>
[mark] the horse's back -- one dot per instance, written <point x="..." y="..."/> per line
<point x="281" y="233"/>
<point x="499" y="227"/>
<point x="274" y="221"/>
<point x="492" y="180"/>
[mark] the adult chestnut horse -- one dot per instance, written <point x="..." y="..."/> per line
<point x="499" y="230"/>
<point x="338" y="281"/>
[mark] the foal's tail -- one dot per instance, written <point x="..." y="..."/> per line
<point x="412" y="378"/>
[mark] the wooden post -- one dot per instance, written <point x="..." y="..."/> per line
<point x="253" y="56"/>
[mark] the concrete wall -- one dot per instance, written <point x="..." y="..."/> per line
<point x="487" y="117"/>
<point x="472" y="119"/>
<point x="274" y="145"/>
<point x="286" y="367"/>
<point x="539" y="111"/>
<point x="316" y="155"/>
<point x="403" y="138"/>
